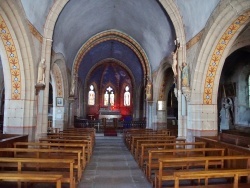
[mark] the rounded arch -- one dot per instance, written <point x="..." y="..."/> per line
<point x="226" y="22"/>
<point x="63" y="81"/>
<point x="113" y="35"/>
<point x="176" y="19"/>
<point x="160" y="81"/>
<point x="17" y="57"/>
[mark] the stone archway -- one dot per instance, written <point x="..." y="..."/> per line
<point x="19" y="76"/>
<point x="218" y="38"/>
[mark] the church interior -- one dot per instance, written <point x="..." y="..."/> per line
<point x="112" y="71"/>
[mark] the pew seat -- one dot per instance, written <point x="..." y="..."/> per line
<point x="30" y="177"/>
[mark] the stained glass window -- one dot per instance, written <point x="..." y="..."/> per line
<point x="91" y="98"/>
<point x="127" y="96"/>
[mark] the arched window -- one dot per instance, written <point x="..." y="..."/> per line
<point x="127" y="96"/>
<point x="112" y="99"/>
<point x="91" y="97"/>
<point x="109" y="97"/>
<point x="106" y="99"/>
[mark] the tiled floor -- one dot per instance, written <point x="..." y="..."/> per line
<point x="112" y="166"/>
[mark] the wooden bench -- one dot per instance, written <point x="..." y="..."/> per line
<point x="222" y="173"/>
<point x="29" y="177"/>
<point x="71" y="137"/>
<point x="148" y="137"/>
<point x="59" y="146"/>
<point x="155" y="155"/>
<point x="139" y="143"/>
<point x="143" y="156"/>
<point x="237" y="140"/>
<point x="79" y="135"/>
<point x="70" y="141"/>
<point x="65" y="167"/>
<point x="231" y="149"/>
<point x="128" y="138"/>
<point x="167" y="167"/>
<point x="47" y="154"/>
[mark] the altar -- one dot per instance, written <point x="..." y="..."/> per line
<point x="109" y="114"/>
<point x="109" y="117"/>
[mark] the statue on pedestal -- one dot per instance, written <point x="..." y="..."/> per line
<point x="41" y="72"/>
<point x="226" y="114"/>
<point x="73" y="85"/>
<point x="149" y="90"/>
<point x="184" y="75"/>
<point x="40" y="76"/>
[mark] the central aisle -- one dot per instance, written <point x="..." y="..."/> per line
<point x="112" y="166"/>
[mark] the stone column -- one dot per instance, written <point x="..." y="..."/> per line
<point x="181" y="117"/>
<point x="71" y="111"/>
<point x="42" y="99"/>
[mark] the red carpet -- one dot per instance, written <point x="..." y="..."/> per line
<point x="110" y="132"/>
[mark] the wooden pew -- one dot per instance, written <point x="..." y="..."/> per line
<point x="237" y="140"/>
<point x="190" y="163"/>
<point x="67" y="141"/>
<point x="70" y="134"/>
<point x="155" y="155"/>
<point x="145" y="147"/>
<point x="128" y="132"/>
<point x="58" y="146"/>
<point x="71" y="137"/>
<point x="48" y="166"/>
<point x="138" y="142"/>
<point x="231" y="149"/>
<point x="197" y="175"/>
<point x="130" y="135"/>
<point x="29" y="177"/>
<point x="148" y="137"/>
<point x="47" y="153"/>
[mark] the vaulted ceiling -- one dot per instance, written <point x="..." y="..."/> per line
<point x="146" y="21"/>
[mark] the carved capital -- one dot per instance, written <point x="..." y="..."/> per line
<point x="187" y="93"/>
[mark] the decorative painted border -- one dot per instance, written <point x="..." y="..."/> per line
<point x="217" y="54"/>
<point x="12" y="59"/>
<point x="58" y="81"/>
<point x="35" y="32"/>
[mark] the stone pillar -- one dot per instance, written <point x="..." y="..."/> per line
<point x="42" y="99"/>
<point x="71" y="111"/>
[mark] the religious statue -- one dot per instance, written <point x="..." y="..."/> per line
<point x="174" y="65"/>
<point x="149" y="91"/>
<point x="73" y="85"/>
<point x="175" y="61"/>
<point x="184" y="75"/>
<point x="41" y="72"/>
<point x="226" y="114"/>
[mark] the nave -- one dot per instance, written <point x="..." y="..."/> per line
<point x="112" y="166"/>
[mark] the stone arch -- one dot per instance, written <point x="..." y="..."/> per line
<point x="16" y="53"/>
<point x="113" y="35"/>
<point x="226" y="22"/>
<point x="176" y="19"/>
<point x="58" y="81"/>
<point x="59" y="60"/>
<point x="160" y="81"/>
